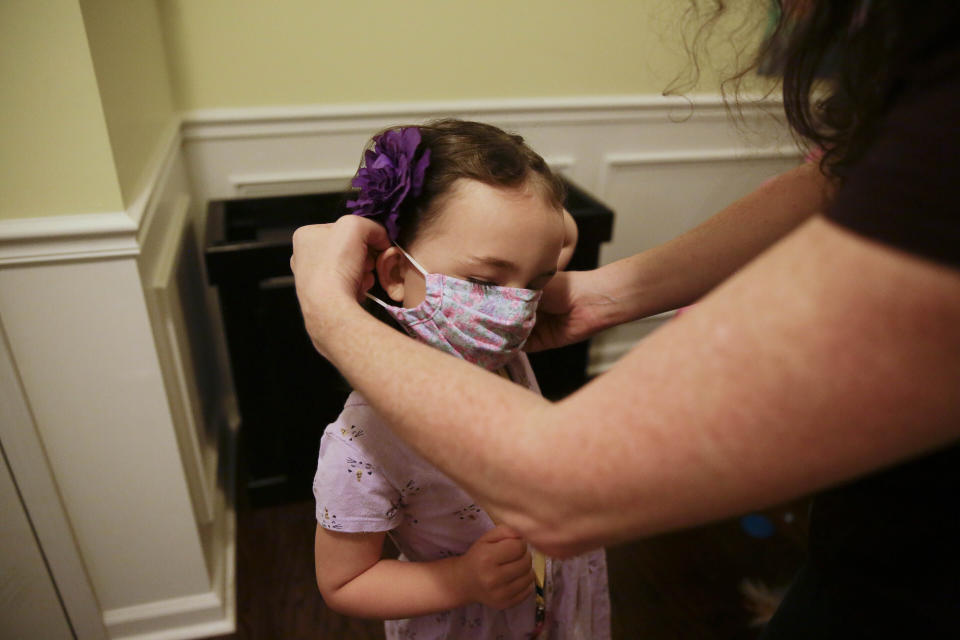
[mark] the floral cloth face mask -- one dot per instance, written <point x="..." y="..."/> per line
<point x="483" y="324"/>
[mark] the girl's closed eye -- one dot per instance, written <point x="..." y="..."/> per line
<point x="535" y="285"/>
<point x="482" y="282"/>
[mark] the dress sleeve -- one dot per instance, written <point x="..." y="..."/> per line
<point x="352" y="494"/>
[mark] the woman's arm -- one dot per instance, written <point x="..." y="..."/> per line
<point x="578" y="304"/>
<point x="355" y="581"/>
<point x="825" y="358"/>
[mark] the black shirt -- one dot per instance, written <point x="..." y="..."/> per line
<point x="884" y="553"/>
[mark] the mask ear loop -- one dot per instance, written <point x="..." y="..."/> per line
<point x="413" y="262"/>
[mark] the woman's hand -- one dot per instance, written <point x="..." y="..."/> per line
<point x="497" y="570"/>
<point x="570" y="311"/>
<point x="332" y="267"/>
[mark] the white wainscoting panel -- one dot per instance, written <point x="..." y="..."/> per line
<point x="81" y="338"/>
<point x="658" y="196"/>
<point x="165" y="293"/>
<point x="100" y="313"/>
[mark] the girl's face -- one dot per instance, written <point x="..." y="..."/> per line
<point x="492" y="235"/>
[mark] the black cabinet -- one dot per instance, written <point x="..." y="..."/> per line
<point x="287" y="393"/>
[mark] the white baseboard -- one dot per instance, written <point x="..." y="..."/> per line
<point x="201" y="615"/>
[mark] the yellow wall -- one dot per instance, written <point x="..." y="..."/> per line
<point x="55" y="157"/>
<point x="233" y="53"/>
<point x="90" y="86"/>
<point x="130" y="63"/>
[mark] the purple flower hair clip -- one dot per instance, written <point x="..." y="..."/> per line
<point x="391" y="172"/>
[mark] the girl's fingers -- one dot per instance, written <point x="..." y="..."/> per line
<point x="509" y="550"/>
<point x="520" y="582"/>
<point x="498" y="533"/>
<point x="521" y="595"/>
<point x="517" y="568"/>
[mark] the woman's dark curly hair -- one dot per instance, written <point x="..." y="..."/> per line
<point x="842" y="62"/>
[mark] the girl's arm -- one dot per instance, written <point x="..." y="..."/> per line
<point x="791" y="376"/>
<point x="355" y="581"/>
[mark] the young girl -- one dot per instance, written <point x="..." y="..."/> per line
<point x="479" y="228"/>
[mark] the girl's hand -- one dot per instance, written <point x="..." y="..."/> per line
<point x="332" y="267"/>
<point x="497" y="570"/>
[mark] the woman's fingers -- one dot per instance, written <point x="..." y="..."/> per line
<point x="332" y="260"/>
<point x="332" y="267"/>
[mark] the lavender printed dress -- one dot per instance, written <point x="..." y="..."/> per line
<point x="368" y="480"/>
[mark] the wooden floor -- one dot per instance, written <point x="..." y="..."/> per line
<point x="681" y="585"/>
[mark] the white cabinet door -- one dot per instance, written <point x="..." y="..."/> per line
<point x="29" y="605"/>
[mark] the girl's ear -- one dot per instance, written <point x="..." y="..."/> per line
<point x="391" y="268"/>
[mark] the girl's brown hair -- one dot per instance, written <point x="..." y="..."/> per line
<point x="475" y="151"/>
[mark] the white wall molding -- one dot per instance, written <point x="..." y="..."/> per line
<point x="82" y="236"/>
<point x="173" y="348"/>
<point x="259" y="185"/>
<point x="286" y="121"/>
<point x="728" y="154"/>
<point x="614" y="161"/>
<point x="156" y="175"/>
<point x="91" y="236"/>
<point x="630" y="103"/>
<point x="561" y="163"/>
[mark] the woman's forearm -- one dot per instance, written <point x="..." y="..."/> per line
<point x="392" y="589"/>
<point x="684" y="269"/>
<point x="764" y="392"/>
